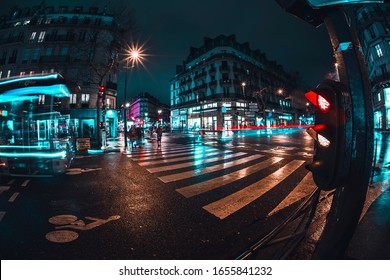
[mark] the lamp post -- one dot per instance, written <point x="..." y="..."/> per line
<point x="243" y="84"/>
<point x="133" y="55"/>
<point x="159" y="116"/>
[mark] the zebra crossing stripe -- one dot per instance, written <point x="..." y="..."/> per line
<point x="3" y="189"/>
<point x="192" y="163"/>
<point x="180" y="158"/>
<point x="13" y="197"/>
<point x="2" y="214"/>
<point x="228" y="205"/>
<point x="217" y="182"/>
<point x="154" y="154"/>
<point x="197" y="172"/>
<point x="170" y="155"/>
<point x="303" y="189"/>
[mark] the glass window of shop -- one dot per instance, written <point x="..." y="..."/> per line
<point x="387" y="97"/>
<point x="378" y="119"/>
<point x="388" y="119"/>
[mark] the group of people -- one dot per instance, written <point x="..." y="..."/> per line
<point x="135" y="135"/>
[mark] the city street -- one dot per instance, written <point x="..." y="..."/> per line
<point x="188" y="200"/>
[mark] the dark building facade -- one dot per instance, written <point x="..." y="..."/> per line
<point x="147" y="110"/>
<point x="226" y="84"/>
<point x="373" y="25"/>
<point x="75" y="41"/>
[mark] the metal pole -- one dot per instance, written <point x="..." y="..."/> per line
<point x="349" y="198"/>
<point x="125" y="111"/>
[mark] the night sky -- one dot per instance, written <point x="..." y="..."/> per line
<point x="169" y="28"/>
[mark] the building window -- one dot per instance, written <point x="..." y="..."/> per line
<point x="26" y="55"/>
<point x="48" y="20"/>
<point x="41" y="36"/>
<point x="379" y="97"/>
<point x="49" y="51"/>
<point x="35" y="55"/>
<point x="63" y="9"/>
<point x="73" y="98"/>
<point x="8" y="74"/>
<point x="78" y="9"/>
<point x="21" y="74"/>
<point x="84" y="98"/>
<point x="108" y="103"/>
<point x="372" y="32"/>
<point x="82" y="36"/>
<point x="41" y="99"/>
<point x="32" y="36"/>
<point x="64" y="51"/>
<point x="384" y="71"/>
<point x="378" y="50"/>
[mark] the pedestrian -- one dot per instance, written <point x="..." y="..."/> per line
<point x="159" y="135"/>
<point x="139" y="133"/>
<point x="132" y="134"/>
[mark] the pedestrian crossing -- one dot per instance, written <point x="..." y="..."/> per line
<point x="199" y="170"/>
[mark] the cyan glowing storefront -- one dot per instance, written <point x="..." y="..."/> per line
<point x="387" y="107"/>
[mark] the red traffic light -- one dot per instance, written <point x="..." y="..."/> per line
<point x="319" y="101"/>
<point x="101" y="88"/>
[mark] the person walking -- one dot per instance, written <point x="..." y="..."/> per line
<point x="159" y="133"/>
<point x="139" y="135"/>
<point x="132" y="134"/>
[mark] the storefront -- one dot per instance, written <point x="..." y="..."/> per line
<point x="111" y="125"/>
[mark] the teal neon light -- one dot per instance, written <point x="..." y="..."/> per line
<point x="27" y="78"/>
<point x="25" y="93"/>
<point x="61" y="154"/>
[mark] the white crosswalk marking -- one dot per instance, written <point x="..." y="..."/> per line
<point x="234" y="202"/>
<point x="180" y="158"/>
<point x="13" y="197"/>
<point x="2" y="214"/>
<point x="174" y="159"/>
<point x="171" y="155"/>
<point x="303" y="189"/>
<point x="201" y="171"/>
<point x="217" y="182"/>
<point x="193" y="163"/>
<point x="3" y="189"/>
<point x="150" y="152"/>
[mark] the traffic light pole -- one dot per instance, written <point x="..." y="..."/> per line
<point x="350" y="195"/>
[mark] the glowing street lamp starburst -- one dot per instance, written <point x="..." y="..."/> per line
<point x="135" y="55"/>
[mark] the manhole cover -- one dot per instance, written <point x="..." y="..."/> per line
<point x="62" y="219"/>
<point x="62" y="236"/>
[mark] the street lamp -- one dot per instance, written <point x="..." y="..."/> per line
<point x="336" y="65"/>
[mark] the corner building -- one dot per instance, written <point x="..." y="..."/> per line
<point x="55" y="37"/>
<point x="225" y="84"/>
<point x="373" y="25"/>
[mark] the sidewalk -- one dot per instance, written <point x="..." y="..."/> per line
<point x="371" y="238"/>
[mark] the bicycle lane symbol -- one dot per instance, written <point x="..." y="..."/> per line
<point x="63" y="223"/>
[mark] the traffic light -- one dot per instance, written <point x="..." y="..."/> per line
<point x="331" y="133"/>
<point x="101" y="89"/>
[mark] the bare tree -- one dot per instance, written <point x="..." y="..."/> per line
<point x="261" y="102"/>
<point x="101" y="50"/>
